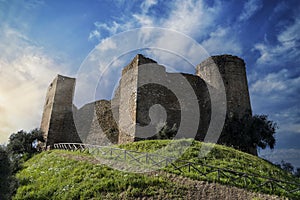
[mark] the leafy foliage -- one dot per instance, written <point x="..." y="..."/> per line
<point x="5" y="173"/>
<point x="18" y="150"/>
<point x="22" y="142"/>
<point x="249" y="132"/>
<point x="297" y="173"/>
<point x="286" y="166"/>
<point x="8" y="183"/>
<point x="20" y="146"/>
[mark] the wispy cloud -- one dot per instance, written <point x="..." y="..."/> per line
<point x="147" y="4"/>
<point x="25" y="72"/>
<point x="221" y="41"/>
<point x="137" y="19"/>
<point x="285" y="50"/>
<point x="221" y="32"/>
<point x="193" y="18"/>
<point x="250" y="8"/>
<point x="277" y="94"/>
<point x="102" y="30"/>
<point x="94" y="34"/>
<point x="273" y="83"/>
<point x="281" y="89"/>
<point x="190" y="17"/>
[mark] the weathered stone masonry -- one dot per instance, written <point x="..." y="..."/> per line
<point x="57" y="121"/>
<point x="122" y="121"/>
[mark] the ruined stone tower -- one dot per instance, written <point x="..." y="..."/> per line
<point x="153" y="97"/>
<point x="145" y="85"/>
<point x="233" y="73"/>
<point x="129" y="85"/>
<point x="57" y="121"/>
<point x="148" y="98"/>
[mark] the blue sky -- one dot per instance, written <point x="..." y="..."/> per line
<point x="39" y="39"/>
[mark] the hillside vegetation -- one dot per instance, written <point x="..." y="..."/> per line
<point x="59" y="174"/>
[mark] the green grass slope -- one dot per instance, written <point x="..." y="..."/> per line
<point x="219" y="156"/>
<point x="53" y="175"/>
<point x="225" y="158"/>
<point x="60" y="174"/>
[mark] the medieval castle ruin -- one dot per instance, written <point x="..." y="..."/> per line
<point x="145" y="98"/>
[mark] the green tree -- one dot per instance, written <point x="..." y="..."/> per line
<point x="21" y="143"/>
<point x="297" y="173"/>
<point x="249" y="132"/>
<point x="5" y="173"/>
<point x="286" y="166"/>
<point x="8" y="183"/>
<point x="21" y="146"/>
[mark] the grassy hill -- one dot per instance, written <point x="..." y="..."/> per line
<point x="59" y="174"/>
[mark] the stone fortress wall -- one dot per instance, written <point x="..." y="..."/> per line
<point x="144" y="100"/>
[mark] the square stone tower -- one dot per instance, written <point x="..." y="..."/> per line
<point x="128" y="98"/>
<point x="57" y="121"/>
<point x="151" y="98"/>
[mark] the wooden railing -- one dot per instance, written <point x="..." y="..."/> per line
<point x="207" y="172"/>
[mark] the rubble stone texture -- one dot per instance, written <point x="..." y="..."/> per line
<point x="147" y="98"/>
<point x="57" y="120"/>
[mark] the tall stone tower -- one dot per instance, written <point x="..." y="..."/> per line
<point x="151" y="98"/>
<point x="57" y="121"/>
<point x="128" y="99"/>
<point x="233" y="73"/>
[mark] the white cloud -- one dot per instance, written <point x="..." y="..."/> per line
<point x="94" y="34"/>
<point x="143" y="20"/>
<point x="25" y="72"/>
<point x="221" y="41"/>
<point x="285" y="50"/>
<point x="291" y="34"/>
<point x="106" y="44"/>
<point x="147" y="4"/>
<point x="290" y="128"/>
<point x="113" y="28"/>
<point x="288" y="120"/>
<point x="135" y="20"/>
<point x="191" y="17"/>
<point x="276" y="94"/>
<point x="250" y="8"/>
<point x="277" y="87"/>
<point x="273" y="82"/>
